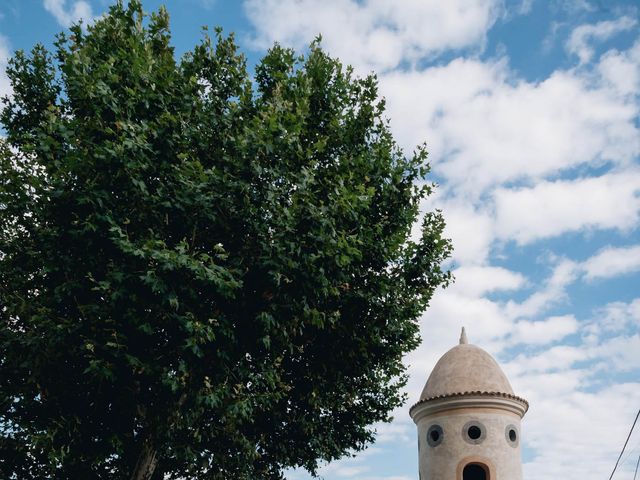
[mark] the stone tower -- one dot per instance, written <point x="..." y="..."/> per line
<point x="468" y="419"/>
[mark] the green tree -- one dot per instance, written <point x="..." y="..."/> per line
<point x="202" y="275"/>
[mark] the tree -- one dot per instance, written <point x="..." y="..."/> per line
<point x="201" y="275"/>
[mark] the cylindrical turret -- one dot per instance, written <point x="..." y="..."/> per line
<point x="468" y="419"/>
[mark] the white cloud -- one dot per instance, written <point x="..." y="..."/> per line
<point x="485" y="126"/>
<point x="615" y="317"/>
<point x="572" y="424"/>
<point x="5" y="54"/>
<point x="578" y="407"/>
<point x="553" y="291"/>
<point x="573" y="412"/>
<point x="470" y="230"/>
<point x="549" y="209"/>
<point x="620" y="353"/>
<point x="557" y="358"/>
<point x="581" y="37"/>
<point x="621" y="70"/>
<point x="66" y="16"/>
<point x="545" y="331"/>
<point x="374" y="34"/>
<point x="485" y="320"/>
<point x="477" y="280"/>
<point x="395" y="432"/>
<point x="612" y="262"/>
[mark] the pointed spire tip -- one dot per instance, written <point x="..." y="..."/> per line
<point x="463" y="337"/>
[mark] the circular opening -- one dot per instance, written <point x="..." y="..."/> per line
<point x="512" y="435"/>
<point x="435" y="435"/>
<point x="474" y="432"/>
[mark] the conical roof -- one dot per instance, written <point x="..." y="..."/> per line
<point x="465" y="369"/>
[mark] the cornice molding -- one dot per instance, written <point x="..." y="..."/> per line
<point x="493" y="400"/>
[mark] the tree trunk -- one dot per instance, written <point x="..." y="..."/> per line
<point x="147" y="462"/>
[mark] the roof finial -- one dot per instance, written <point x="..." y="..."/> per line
<point x="463" y="337"/>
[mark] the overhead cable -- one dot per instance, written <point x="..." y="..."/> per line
<point x="625" y="445"/>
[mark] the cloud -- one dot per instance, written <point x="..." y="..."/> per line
<point x="470" y="230"/>
<point x="480" y="280"/>
<point x="621" y="352"/>
<point x="485" y="320"/>
<point x="579" y="42"/>
<point x="567" y="423"/>
<point x="553" y="291"/>
<point x="486" y="126"/>
<point x="579" y="407"/>
<point x="545" y="331"/>
<point x="621" y="70"/>
<point x="395" y="433"/>
<point x="612" y="262"/>
<point x="549" y="209"/>
<point x="615" y="317"/>
<point x="374" y="34"/>
<point x="557" y="358"/>
<point x="78" y="10"/>
<point x="5" y="54"/>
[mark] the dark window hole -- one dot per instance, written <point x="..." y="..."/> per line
<point x="474" y="472"/>
<point x="435" y="435"/>
<point x="474" y="432"/>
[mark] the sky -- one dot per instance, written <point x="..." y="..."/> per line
<point x="531" y="113"/>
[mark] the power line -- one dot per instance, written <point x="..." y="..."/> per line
<point x="636" y="473"/>
<point x="625" y="445"/>
<point x="629" y="454"/>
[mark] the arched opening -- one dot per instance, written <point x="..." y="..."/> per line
<point x="475" y="471"/>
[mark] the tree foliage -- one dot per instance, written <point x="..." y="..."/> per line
<point x="202" y="274"/>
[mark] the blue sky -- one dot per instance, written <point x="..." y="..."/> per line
<point x="531" y="112"/>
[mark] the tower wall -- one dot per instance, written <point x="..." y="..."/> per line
<point x="445" y="460"/>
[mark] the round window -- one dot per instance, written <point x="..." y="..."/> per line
<point x="511" y="434"/>
<point x="474" y="432"/>
<point x="435" y="435"/>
